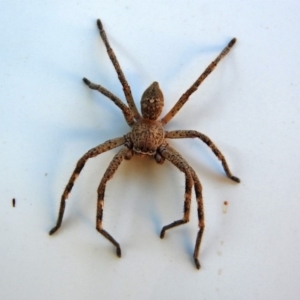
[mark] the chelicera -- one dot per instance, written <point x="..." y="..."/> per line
<point x="148" y="138"/>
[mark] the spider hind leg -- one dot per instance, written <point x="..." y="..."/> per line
<point x="191" y="179"/>
<point x="108" y="145"/>
<point x="112" y="168"/>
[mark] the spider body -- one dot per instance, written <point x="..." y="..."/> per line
<point x="148" y="138"/>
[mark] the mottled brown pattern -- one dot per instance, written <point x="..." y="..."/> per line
<point x="152" y="102"/>
<point x="112" y="168"/>
<point x="148" y="138"/>
<point x="200" y="212"/>
<point x="177" y="160"/>
<point x="181" y="134"/>
<point x="108" y="145"/>
<point x="126" y="111"/>
<point x="113" y="58"/>
<point x="184" y="98"/>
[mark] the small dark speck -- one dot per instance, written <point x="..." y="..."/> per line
<point x="13" y="202"/>
<point x="46" y="174"/>
<point x="225" y="207"/>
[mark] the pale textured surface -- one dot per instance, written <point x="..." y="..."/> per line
<point x="249" y="106"/>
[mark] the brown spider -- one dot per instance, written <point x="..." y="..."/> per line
<point x="148" y="138"/>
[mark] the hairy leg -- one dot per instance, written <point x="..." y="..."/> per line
<point x="108" y="145"/>
<point x="181" y="134"/>
<point x="177" y="160"/>
<point x="113" y="166"/>
<point x="119" y="71"/>
<point x="183" y="99"/>
<point x="126" y="111"/>
<point x="200" y="210"/>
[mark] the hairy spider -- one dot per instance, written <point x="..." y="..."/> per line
<point x="148" y="138"/>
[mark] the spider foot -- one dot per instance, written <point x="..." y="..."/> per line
<point x="112" y="240"/>
<point x="118" y="251"/>
<point x="176" y="223"/>
<point x="53" y="230"/>
<point x="232" y="42"/>
<point x="162" y="233"/>
<point x="86" y="81"/>
<point x="236" y="179"/>
<point x="99" y="24"/>
<point x="197" y="263"/>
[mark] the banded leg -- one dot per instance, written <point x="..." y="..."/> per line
<point x="113" y="58"/>
<point x="126" y="111"/>
<point x="181" y="134"/>
<point x="113" y="166"/>
<point x="200" y="210"/>
<point x="108" y="145"/>
<point x="183" y="99"/>
<point x="177" y="160"/>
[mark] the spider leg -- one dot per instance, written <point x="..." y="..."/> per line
<point x="113" y="166"/>
<point x="191" y="178"/>
<point x="113" y="58"/>
<point x="126" y="111"/>
<point x="181" y="134"/>
<point x="183" y="99"/>
<point x="177" y="160"/>
<point x="200" y="210"/>
<point x="108" y="145"/>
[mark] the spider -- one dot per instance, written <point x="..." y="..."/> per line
<point x="148" y="138"/>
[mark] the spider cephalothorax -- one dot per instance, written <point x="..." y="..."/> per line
<point x="148" y="138"/>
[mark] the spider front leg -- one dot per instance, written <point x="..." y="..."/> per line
<point x="126" y="111"/>
<point x="113" y="166"/>
<point x="108" y="145"/>
<point x="181" y="134"/>
<point x="113" y="58"/>
<point x="184" y="98"/>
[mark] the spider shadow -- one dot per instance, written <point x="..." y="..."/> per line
<point x="147" y="177"/>
<point x="144" y="173"/>
<point x="187" y="242"/>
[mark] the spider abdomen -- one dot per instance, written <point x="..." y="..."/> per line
<point x="147" y="136"/>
